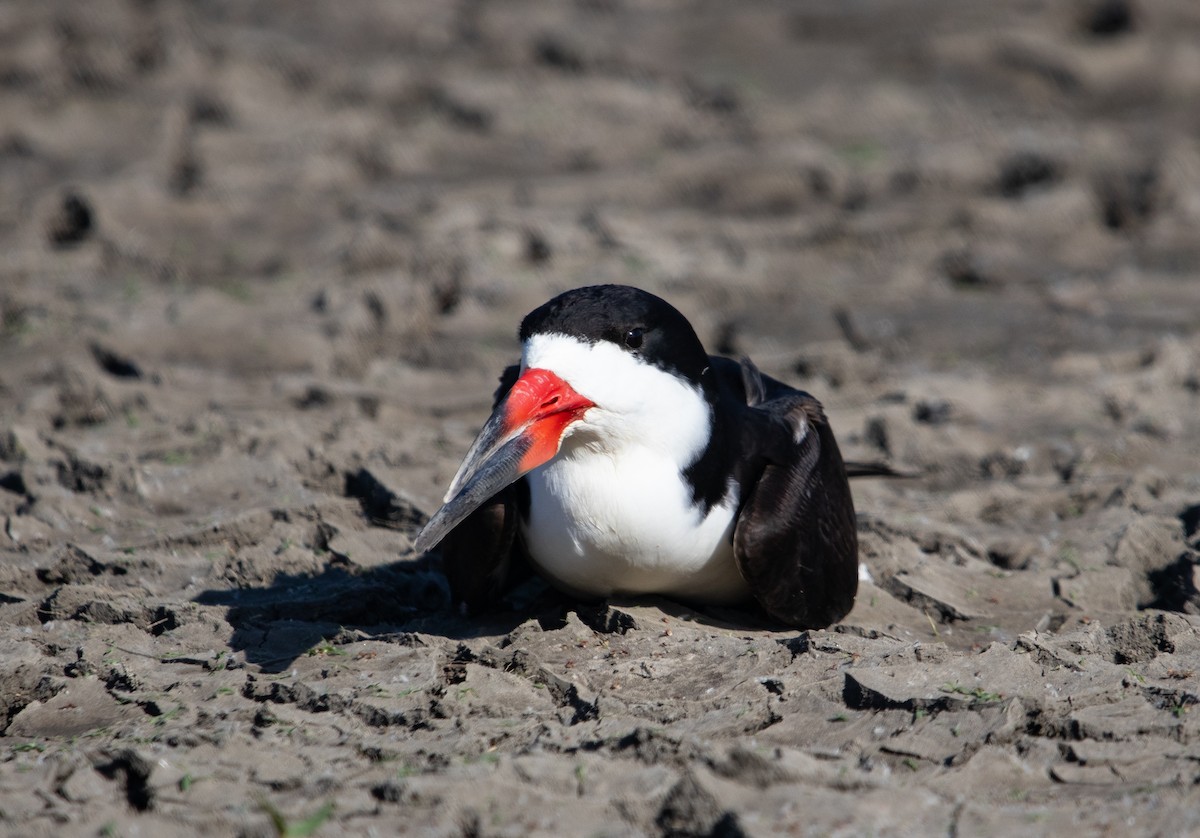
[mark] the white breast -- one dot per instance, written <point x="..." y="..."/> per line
<point x="603" y="524"/>
<point x="612" y="512"/>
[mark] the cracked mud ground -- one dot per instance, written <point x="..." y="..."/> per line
<point x="262" y="261"/>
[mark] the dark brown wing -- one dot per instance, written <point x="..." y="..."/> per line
<point x="477" y="555"/>
<point x="483" y="555"/>
<point x="796" y="540"/>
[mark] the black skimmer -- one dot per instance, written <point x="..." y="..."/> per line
<point x="621" y="458"/>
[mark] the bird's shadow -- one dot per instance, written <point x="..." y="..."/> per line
<point x="275" y="624"/>
<point x="296" y="614"/>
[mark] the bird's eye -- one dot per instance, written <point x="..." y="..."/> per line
<point x="633" y="338"/>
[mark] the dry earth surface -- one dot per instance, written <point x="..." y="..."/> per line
<point x="261" y="262"/>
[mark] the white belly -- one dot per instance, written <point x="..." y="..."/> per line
<point x="602" y="525"/>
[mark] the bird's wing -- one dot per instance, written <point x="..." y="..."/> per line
<point x="484" y="552"/>
<point x="756" y="388"/>
<point x="478" y="554"/>
<point x="795" y="540"/>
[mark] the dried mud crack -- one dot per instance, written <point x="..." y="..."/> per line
<point x="262" y="269"/>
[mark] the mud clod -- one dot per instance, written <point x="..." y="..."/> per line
<point x="71" y="222"/>
<point x="133" y="772"/>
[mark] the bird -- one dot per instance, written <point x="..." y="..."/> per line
<point x="622" y="459"/>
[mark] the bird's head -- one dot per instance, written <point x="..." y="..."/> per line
<point x="605" y="367"/>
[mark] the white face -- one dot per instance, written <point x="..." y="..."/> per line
<point x="637" y="404"/>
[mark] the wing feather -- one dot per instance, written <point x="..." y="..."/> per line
<point x="796" y="539"/>
<point x="484" y="553"/>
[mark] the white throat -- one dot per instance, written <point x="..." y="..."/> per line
<point x="638" y="405"/>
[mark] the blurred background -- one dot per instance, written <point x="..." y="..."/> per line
<point x="937" y="180"/>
